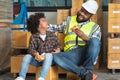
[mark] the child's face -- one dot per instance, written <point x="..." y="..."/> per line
<point x="43" y="24"/>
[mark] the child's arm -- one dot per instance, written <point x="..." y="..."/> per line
<point x="32" y="46"/>
<point x="60" y="27"/>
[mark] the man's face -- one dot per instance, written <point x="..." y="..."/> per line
<point x="43" y="24"/>
<point x="83" y="15"/>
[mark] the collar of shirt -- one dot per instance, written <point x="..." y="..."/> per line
<point x="82" y="23"/>
<point x="38" y="34"/>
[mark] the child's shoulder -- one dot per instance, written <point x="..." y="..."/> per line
<point x="36" y="35"/>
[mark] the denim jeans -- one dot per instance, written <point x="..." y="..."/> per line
<point x="29" y="59"/>
<point x="84" y="56"/>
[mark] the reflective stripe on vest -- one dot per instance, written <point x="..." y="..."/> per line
<point x="70" y="37"/>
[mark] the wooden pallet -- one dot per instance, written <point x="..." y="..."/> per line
<point x="53" y="74"/>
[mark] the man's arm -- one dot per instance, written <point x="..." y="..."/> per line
<point x="81" y="34"/>
<point x="97" y="34"/>
<point x="57" y="28"/>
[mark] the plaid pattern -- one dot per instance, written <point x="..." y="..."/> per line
<point x="36" y="44"/>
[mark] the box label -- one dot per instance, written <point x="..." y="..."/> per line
<point x="116" y="27"/>
<point x="115" y="61"/>
<point x="116" y="47"/>
<point x="116" y="12"/>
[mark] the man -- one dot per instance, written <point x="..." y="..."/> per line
<point x="42" y="46"/>
<point x="82" y="42"/>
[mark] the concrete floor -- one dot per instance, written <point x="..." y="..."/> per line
<point x="102" y="75"/>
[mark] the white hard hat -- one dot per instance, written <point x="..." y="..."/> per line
<point x="91" y="6"/>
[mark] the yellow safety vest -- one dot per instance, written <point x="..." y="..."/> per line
<point x="70" y="37"/>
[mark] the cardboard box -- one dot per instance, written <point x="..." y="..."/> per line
<point x="113" y="45"/>
<point x="114" y="61"/>
<point x="114" y="10"/>
<point x="20" y="39"/>
<point x="113" y="25"/>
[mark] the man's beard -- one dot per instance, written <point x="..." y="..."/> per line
<point x="77" y="19"/>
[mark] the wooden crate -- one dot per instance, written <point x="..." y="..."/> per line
<point x="60" y="37"/>
<point x="114" y="61"/>
<point x="62" y="14"/>
<point x="114" y="10"/>
<point x="20" y="39"/>
<point x="76" y="6"/>
<point x="114" y="25"/>
<point x="52" y="74"/>
<point x="16" y="64"/>
<point x="69" y="75"/>
<point x="113" y="45"/>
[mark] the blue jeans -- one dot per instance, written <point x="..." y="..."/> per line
<point x="29" y="59"/>
<point x="84" y="56"/>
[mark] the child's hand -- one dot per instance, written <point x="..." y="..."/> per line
<point x="39" y="58"/>
<point x="56" y="51"/>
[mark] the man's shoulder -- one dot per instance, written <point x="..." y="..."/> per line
<point x="94" y="23"/>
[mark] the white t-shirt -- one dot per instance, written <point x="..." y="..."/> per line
<point x="43" y="37"/>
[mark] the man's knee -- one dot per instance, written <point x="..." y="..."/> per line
<point x="56" y="57"/>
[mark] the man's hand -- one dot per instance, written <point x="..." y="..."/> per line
<point x="56" y="51"/>
<point x="80" y="33"/>
<point x="74" y="28"/>
<point x="39" y="58"/>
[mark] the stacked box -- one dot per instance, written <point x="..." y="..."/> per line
<point x="20" y="39"/>
<point x="114" y="18"/>
<point x="114" y="39"/>
<point x="6" y="11"/>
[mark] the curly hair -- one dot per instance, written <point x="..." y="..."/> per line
<point x="33" y="22"/>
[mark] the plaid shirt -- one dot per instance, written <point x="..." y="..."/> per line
<point x="36" y="44"/>
<point x="61" y="28"/>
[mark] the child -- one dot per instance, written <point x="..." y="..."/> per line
<point x="42" y="46"/>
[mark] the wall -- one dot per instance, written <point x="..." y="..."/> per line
<point x="50" y="16"/>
